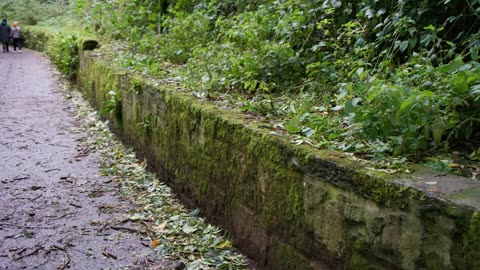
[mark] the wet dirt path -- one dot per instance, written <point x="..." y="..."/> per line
<point x="56" y="211"/>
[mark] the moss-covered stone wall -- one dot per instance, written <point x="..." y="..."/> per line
<point x="287" y="206"/>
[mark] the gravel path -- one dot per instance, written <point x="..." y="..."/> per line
<point x="56" y="211"/>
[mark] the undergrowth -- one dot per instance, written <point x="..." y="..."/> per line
<point x="386" y="80"/>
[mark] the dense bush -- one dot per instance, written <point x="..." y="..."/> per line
<point x="30" y="12"/>
<point x="382" y="77"/>
<point x="63" y="49"/>
<point x="396" y="77"/>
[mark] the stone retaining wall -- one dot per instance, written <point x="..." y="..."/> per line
<point x="287" y="206"/>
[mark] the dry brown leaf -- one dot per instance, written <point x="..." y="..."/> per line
<point x="162" y="226"/>
<point x="154" y="243"/>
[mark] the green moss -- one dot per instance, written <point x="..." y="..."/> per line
<point x="88" y="44"/>
<point x="471" y="243"/>
<point x="136" y="84"/>
<point x="433" y="261"/>
<point x="292" y="259"/>
<point x="471" y="195"/>
<point x="383" y="191"/>
<point x="358" y="262"/>
<point x="360" y="245"/>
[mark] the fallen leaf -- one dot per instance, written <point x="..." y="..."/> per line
<point x="162" y="226"/>
<point x="225" y="245"/>
<point x="188" y="229"/>
<point x="155" y="243"/>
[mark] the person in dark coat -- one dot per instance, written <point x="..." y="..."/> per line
<point x="5" y="31"/>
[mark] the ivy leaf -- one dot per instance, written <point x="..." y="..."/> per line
<point x="224" y="245"/>
<point x="307" y="132"/>
<point x="294" y="126"/>
<point x="404" y="45"/>
<point x="369" y="13"/>
<point x="474" y="53"/>
<point x="475" y="89"/>
<point x="350" y="105"/>
<point x="188" y="229"/>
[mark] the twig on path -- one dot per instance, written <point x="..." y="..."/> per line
<point x="123" y="221"/>
<point x="147" y="219"/>
<point x="149" y="230"/>
<point x="76" y="205"/>
<point x="28" y="254"/>
<point x="63" y="177"/>
<point x="67" y="261"/>
<point x="107" y="206"/>
<point x="56" y="144"/>
<point x="107" y="254"/>
<point x="28" y="227"/>
<point x="20" y="252"/>
<point x="146" y="224"/>
<point x="40" y="227"/>
<point x="36" y="188"/>
<point x="10" y="225"/>
<point x="82" y="153"/>
<point x="36" y="197"/>
<point x="104" y="225"/>
<point x="17" y="178"/>
<point x="55" y="247"/>
<point x="26" y="198"/>
<point x="51" y="170"/>
<point x="118" y="228"/>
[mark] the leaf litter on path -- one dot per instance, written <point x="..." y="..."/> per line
<point x="176" y="234"/>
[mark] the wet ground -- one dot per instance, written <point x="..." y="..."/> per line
<point x="56" y="211"/>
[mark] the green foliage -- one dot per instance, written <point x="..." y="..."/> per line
<point x="63" y="49"/>
<point x="113" y="104"/>
<point x="35" y="39"/>
<point x="388" y="78"/>
<point x="30" y="12"/>
<point x="419" y="107"/>
<point x="378" y="78"/>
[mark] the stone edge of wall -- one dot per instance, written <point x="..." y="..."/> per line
<point x="287" y="206"/>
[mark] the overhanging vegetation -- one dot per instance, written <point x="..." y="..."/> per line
<point x="377" y="78"/>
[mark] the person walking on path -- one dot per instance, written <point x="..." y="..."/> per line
<point x="17" y="37"/>
<point x="5" y="31"/>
